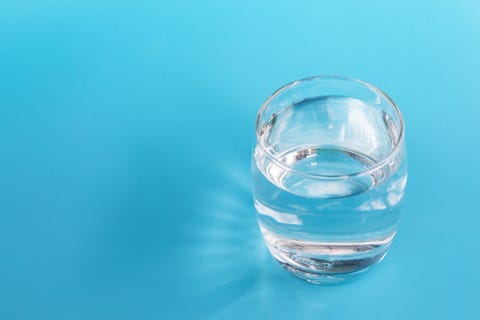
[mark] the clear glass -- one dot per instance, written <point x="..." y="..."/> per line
<point x="329" y="174"/>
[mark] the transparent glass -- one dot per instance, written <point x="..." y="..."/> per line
<point x="329" y="174"/>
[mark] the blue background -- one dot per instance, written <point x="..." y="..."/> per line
<point x="125" y="137"/>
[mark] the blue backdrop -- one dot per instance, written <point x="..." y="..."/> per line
<point x="125" y="135"/>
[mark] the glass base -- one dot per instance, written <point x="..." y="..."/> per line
<point x="324" y="278"/>
<point x="327" y="262"/>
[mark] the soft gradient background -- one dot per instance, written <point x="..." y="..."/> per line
<point x="125" y="135"/>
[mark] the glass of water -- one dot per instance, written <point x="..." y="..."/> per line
<point x="329" y="174"/>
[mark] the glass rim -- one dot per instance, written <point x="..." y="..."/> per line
<point x="368" y="170"/>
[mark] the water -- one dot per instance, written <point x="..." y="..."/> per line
<point x="323" y="228"/>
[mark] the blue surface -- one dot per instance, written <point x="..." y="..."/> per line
<point x="125" y="136"/>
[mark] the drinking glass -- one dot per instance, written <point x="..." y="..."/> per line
<point x="329" y="174"/>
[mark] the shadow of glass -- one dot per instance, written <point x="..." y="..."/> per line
<point x="225" y="242"/>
